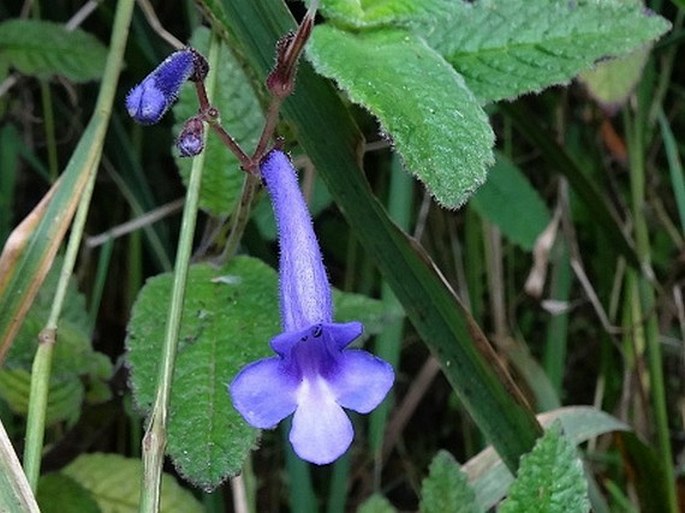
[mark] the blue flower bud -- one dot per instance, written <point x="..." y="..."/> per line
<point x="148" y="101"/>
<point x="190" y="141"/>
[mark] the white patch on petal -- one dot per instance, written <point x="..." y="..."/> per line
<point x="321" y="431"/>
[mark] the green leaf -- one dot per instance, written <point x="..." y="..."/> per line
<point x="610" y="83"/>
<point x="373" y="13"/>
<point x="376" y="504"/>
<point x="73" y="357"/>
<point x="433" y="119"/>
<point x="509" y="201"/>
<point x="550" y="479"/>
<point x="114" y="482"/>
<point x="241" y="116"/>
<point x="65" y="395"/>
<point x="505" y="48"/>
<point x="229" y="316"/>
<point x="358" y="307"/>
<point x="446" y="488"/>
<point x="491" y="479"/>
<point x="58" y="493"/>
<point x="43" y="49"/>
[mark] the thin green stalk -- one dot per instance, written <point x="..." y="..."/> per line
<point x="389" y="342"/>
<point x="48" y="115"/>
<point x="557" y="327"/>
<point x="49" y="122"/>
<point x="100" y="279"/>
<point x="300" y="488"/>
<point x="42" y="364"/>
<point x="634" y="129"/>
<point x="154" y="441"/>
<point x="337" y="494"/>
<point x="675" y="166"/>
<point x="240" y="217"/>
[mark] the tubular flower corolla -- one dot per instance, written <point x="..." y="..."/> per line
<point x="313" y="375"/>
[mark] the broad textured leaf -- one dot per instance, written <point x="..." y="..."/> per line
<point x="509" y="201"/>
<point x="58" y="493"/>
<point x="550" y="479"/>
<point x="446" y="488"/>
<point x="43" y="49"/>
<point x="229" y="316"/>
<point x="114" y="482"/>
<point x="65" y="395"/>
<point x="491" y="479"/>
<point x="382" y="12"/>
<point x="241" y="116"/>
<point x="610" y="83"/>
<point x="432" y="118"/>
<point x="505" y="48"/>
<point x="376" y="504"/>
<point x="73" y="357"/>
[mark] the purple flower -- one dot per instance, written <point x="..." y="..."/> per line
<point x="313" y="375"/>
<point x="148" y="101"/>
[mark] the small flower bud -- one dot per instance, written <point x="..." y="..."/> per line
<point x="148" y="101"/>
<point x="190" y="141"/>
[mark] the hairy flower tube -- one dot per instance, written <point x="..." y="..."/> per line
<point x="313" y="375"/>
<point x="148" y="101"/>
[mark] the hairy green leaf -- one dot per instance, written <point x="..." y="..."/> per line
<point x="505" y="48"/>
<point x="376" y="504"/>
<point x="446" y="488"/>
<point x="241" y="116"/>
<point x="58" y="493"/>
<point x="43" y="49"/>
<point x="509" y="201"/>
<point x="424" y="106"/>
<point x="550" y="479"/>
<point x="229" y="316"/>
<point x="114" y="483"/>
<point x="373" y="13"/>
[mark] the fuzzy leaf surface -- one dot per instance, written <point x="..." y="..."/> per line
<point x="424" y="106"/>
<point x="446" y="488"/>
<point x="114" y="482"/>
<point x="509" y="201"/>
<point x="43" y="49"/>
<point x="505" y="48"/>
<point x="241" y="116"/>
<point x="550" y="479"/>
<point x="229" y="317"/>
<point x="373" y="13"/>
